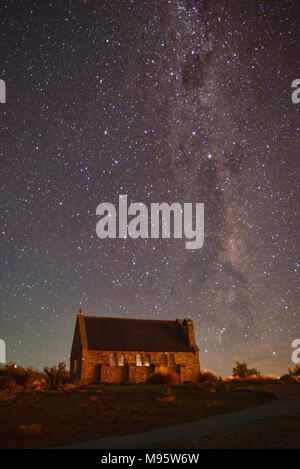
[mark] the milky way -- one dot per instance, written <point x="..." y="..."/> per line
<point x="179" y="101"/>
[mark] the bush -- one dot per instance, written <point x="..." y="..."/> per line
<point x="164" y="376"/>
<point x="242" y="371"/>
<point x="19" y="375"/>
<point x="271" y="377"/>
<point x="288" y="379"/>
<point x="295" y="371"/>
<point x="57" y="376"/>
<point x="6" y="382"/>
<point x="208" y="376"/>
<point x="38" y="385"/>
<point x="255" y="377"/>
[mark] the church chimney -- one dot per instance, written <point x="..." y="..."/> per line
<point x="188" y="328"/>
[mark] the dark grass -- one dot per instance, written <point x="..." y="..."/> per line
<point x="92" y="412"/>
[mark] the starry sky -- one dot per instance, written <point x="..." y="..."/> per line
<point x="165" y="101"/>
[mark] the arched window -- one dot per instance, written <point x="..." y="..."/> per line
<point x="139" y="359"/>
<point x="164" y="360"/>
<point x="147" y="361"/>
<point x="171" y="361"/>
<point x="113" y="359"/>
<point x="122" y="359"/>
<point x="75" y="365"/>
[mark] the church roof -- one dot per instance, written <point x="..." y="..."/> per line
<point x="106" y="333"/>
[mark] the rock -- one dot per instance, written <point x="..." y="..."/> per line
<point x="29" y="429"/>
<point x="290" y="379"/>
<point x="166" y="391"/>
<point x="166" y="399"/>
<point x="69" y="387"/>
<point x="93" y="399"/>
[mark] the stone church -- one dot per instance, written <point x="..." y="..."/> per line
<point x="121" y="350"/>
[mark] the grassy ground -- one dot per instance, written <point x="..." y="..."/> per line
<point x="46" y="419"/>
<point x="275" y="433"/>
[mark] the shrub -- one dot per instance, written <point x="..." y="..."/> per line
<point x="164" y="376"/>
<point x="208" y="376"/>
<point x="56" y="376"/>
<point x="272" y="377"/>
<point x="6" y="382"/>
<point x="295" y="371"/>
<point x="242" y="371"/>
<point x="37" y="385"/>
<point x="21" y="376"/>
<point x="254" y="377"/>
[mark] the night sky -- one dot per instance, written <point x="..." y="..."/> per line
<point x="165" y="101"/>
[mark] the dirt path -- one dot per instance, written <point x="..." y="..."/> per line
<point x="286" y="404"/>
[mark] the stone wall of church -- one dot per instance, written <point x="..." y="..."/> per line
<point x="75" y="358"/>
<point x="133" y="366"/>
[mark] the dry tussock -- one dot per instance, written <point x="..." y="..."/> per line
<point x="164" y="376"/>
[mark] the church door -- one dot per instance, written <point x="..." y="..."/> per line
<point x="99" y="371"/>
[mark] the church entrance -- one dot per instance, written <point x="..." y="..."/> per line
<point x="99" y="372"/>
<point x="125" y="377"/>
